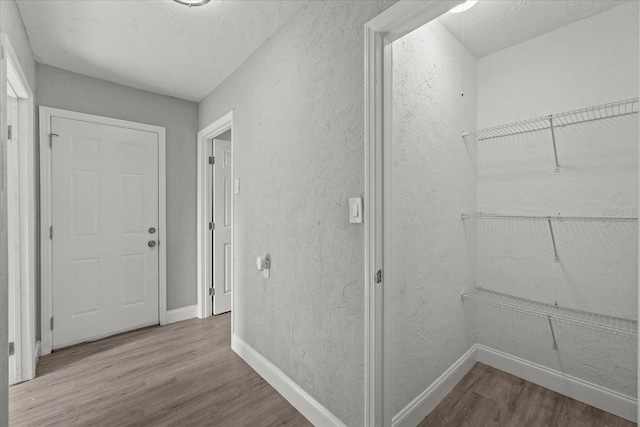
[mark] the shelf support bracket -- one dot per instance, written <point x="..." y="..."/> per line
<point x="553" y="138"/>
<point x="553" y="240"/>
<point x="553" y="334"/>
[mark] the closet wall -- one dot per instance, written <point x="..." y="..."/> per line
<point x="591" y="62"/>
<point x="437" y="174"/>
<point x="433" y="181"/>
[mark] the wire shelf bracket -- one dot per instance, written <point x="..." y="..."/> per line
<point x="552" y="121"/>
<point x="600" y="322"/>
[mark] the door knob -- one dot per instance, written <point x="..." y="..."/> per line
<point x="151" y="243"/>
<point x="152" y="230"/>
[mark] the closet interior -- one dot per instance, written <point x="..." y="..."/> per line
<point x="514" y="200"/>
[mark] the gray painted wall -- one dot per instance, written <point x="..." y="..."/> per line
<point x="10" y="24"/>
<point x="433" y="181"/>
<point x="299" y="154"/>
<point x="70" y="91"/>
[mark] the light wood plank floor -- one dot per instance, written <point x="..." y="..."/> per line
<point x="488" y="397"/>
<point x="184" y="374"/>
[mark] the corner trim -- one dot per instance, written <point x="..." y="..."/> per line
<point x="301" y="400"/>
<point x="183" y="313"/>
<point x="420" y="407"/>
<point x="592" y="394"/>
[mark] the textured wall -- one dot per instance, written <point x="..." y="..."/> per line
<point x="433" y="181"/>
<point x="10" y="24"/>
<point x="590" y="62"/>
<point x="70" y="91"/>
<point x="298" y="152"/>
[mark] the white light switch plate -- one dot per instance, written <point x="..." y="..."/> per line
<point x="236" y="186"/>
<point x="355" y="210"/>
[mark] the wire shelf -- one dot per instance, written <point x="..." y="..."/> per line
<point x="599" y="322"/>
<point x="549" y="218"/>
<point x="598" y="112"/>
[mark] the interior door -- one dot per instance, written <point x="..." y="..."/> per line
<point x="222" y="251"/>
<point x="13" y="235"/>
<point x="105" y="220"/>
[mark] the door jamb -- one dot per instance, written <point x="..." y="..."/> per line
<point x="204" y="191"/>
<point x="46" y="113"/>
<point x="27" y="235"/>
<point x="395" y="22"/>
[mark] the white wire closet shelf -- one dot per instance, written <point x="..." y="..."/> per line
<point x="599" y="322"/>
<point x="588" y="114"/>
<point x="481" y="215"/>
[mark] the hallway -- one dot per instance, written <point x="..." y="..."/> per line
<point x="181" y="374"/>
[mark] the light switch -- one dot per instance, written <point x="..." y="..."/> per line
<point x="236" y="186"/>
<point x="355" y="210"/>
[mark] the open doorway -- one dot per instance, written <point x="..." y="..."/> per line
<point x="216" y="190"/>
<point x="20" y="220"/>
<point x="488" y="117"/>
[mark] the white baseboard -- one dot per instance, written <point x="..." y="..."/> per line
<point x="575" y="388"/>
<point x="420" y="407"/>
<point x="36" y="356"/>
<point x="180" y="314"/>
<point x="312" y="410"/>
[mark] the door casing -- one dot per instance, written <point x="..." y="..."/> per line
<point x="204" y="202"/>
<point x="15" y="76"/>
<point x="395" y="22"/>
<point x="45" y="212"/>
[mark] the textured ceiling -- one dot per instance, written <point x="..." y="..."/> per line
<point x="156" y="45"/>
<point x="493" y="25"/>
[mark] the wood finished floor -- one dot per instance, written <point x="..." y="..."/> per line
<point x="488" y="397"/>
<point x="184" y="374"/>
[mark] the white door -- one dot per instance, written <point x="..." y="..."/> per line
<point x="105" y="220"/>
<point x="13" y="236"/>
<point x="222" y="251"/>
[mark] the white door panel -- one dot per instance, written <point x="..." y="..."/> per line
<point x="14" y="219"/>
<point x="222" y="250"/>
<point x="104" y="200"/>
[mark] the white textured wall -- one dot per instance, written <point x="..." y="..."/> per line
<point x="433" y="181"/>
<point x="10" y="24"/>
<point x="76" y="92"/>
<point x="299" y="154"/>
<point x="590" y="62"/>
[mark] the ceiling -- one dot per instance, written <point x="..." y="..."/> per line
<point x="493" y="25"/>
<point x="155" y="45"/>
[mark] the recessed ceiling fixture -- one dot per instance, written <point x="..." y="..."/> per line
<point x="193" y="2"/>
<point x="461" y="7"/>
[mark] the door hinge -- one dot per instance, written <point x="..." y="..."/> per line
<point x="51" y="323"/>
<point x="212" y="160"/>
<point x="51" y="232"/>
<point x="379" y="276"/>
<point x="212" y="291"/>
<point x="212" y="226"/>
<point x="51" y="135"/>
<point x="9" y="132"/>
<point x="12" y="349"/>
<point x="1" y="52"/>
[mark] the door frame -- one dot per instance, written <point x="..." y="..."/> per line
<point x="395" y="22"/>
<point x="46" y="249"/>
<point x="204" y="200"/>
<point x="26" y="312"/>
